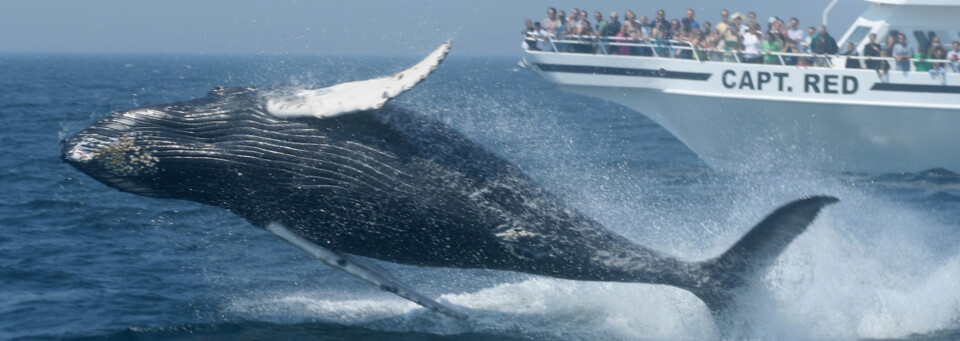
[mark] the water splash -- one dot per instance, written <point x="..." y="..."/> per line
<point x="878" y="265"/>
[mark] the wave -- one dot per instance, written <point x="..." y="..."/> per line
<point x="538" y="308"/>
<point x="255" y="330"/>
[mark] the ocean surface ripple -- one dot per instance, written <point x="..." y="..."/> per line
<point x="79" y="260"/>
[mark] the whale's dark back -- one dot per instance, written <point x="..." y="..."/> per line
<point x="386" y="184"/>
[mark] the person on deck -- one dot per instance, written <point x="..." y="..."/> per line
<point x="573" y="21"/>
<point x="585" y="28"/>
<point x="711" y="43"/>
<point x="675" y="28"/>
<point x="607" y="31"/>
<point x="902" y="53"/>
<point x="693" y="23"/>
<point x="922" y="65"/>
<point x="661" y="42"/>
<point x="661" y="19"/>
<point x="624" y="37"/>
<point x="613" y="26"/>
<point x="790" y="60"/>
<point x="793" y="42"/>
<point x="544" y="38"/>
<point x="550" y="23"/>
<point x="645" y="34"/>
<point x="751" y="20"/>
<point x="771" y="44"/>
<point x="823" y="46"/>
<point x="686" y="34"/>
<point x="529" y="36"/>
<point x="601" y="25"/>
<point x="872" y="49"/>
<point x="776" y="28"/>
<point x="724" y="21"/>
<point x="732" y="38"/>
<point x="561" y="30"/>
<point x="796" y="35"/>
<point x="752" y="42"/>
<point x="808" y="39"/>
<point x="938" y="52"/>
<point x="851" y="54"/>
<point x="954" y="56"/>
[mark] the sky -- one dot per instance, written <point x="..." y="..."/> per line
<point x="342" y="27"/>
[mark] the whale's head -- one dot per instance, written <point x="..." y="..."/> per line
<point x="169" y="151"/>
<point x="118" y="151"/>
<point x="223" y="148"/>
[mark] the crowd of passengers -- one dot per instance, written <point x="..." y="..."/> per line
<point x="734" y="38"/>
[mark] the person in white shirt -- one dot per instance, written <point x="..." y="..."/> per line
<point x="796" y="35"/>
<point x="954" y="56"/>
<point x="752" y="41"/>
<point x="544" y="38"/>
<point x="645" y="28"/>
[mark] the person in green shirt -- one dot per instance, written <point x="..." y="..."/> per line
<point x="603" y="26"/>
<point x="771" y="44"/>
<point x="661" y="42"/>
<point x="922" y="64"/>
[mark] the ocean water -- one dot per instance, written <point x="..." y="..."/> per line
<point x="79" y="260"/>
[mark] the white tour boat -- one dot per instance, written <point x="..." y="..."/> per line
<point x="831" y="118"/>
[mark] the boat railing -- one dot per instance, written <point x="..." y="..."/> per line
<point x="675" y="49"/>
<point x="603" y="44"/>
<point x="892" y="62"/>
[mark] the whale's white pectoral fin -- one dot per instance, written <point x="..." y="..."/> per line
<point x="362" y="269"/>
<point x="345" y="98"/>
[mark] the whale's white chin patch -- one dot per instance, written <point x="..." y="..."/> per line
<point x="345" y="98"/>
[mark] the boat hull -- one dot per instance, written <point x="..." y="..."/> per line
<point x="848" y="120"/>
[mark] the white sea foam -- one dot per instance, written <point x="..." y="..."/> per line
<point x="868" y="267"/>
<point x="298" y="306"/>
<point x="865" y="269"/>
<point x="540" y="306"/>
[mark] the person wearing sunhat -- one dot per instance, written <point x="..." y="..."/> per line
<point x="732" y="37"/>
<point x="737" y="19"/>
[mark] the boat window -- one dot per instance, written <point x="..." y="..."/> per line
<point x="945" y="37"/>
<point x="921" y="37"/>
<point x="858" y="34"/>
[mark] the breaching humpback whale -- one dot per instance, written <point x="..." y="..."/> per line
<point x="339" y="174"/>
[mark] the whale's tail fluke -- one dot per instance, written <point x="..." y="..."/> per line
<point x="753" y="254"/>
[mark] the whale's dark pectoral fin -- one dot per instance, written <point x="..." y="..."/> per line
<point x="758" y="250"/>
<point x="361" y="269"/>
